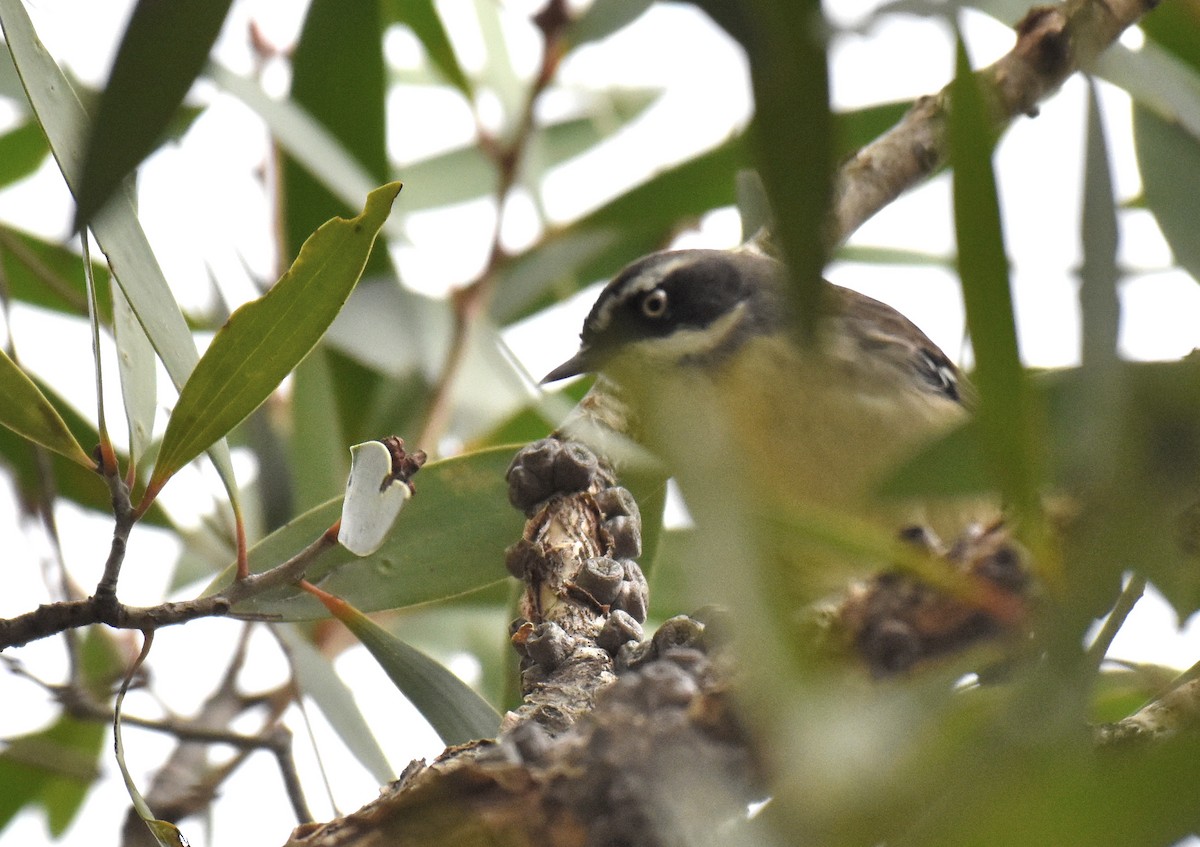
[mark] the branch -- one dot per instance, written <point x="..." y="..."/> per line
<point x="52" y="618"/>
<point x="619" y="740"/>
<point x="1053" y="42"/>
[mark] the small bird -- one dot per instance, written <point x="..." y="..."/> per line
<point x="699" y="347"/>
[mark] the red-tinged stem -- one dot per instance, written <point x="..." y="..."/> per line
<point x="239" y="529"/>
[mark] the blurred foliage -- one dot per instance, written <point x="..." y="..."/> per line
<point x="923" y="760"/>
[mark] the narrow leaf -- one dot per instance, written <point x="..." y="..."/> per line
<point x="338" y="77"/>
<point x="21" y="152"/>
<point x="166" y="834"/>
<point x="135" y="361"/>
<point x="305" y="139"/>
<point x="265" y="339"/>
<point x="1005" y="413"/>
<point x="64" y="120"/>
<point x="789" y="74"/>
<point x="317" y="678"/>
<point x="422" y="18"/>
<point x="456" y="713"/>
<point x="1169" y="160"/>
<point x="164" y="47"/>
<point x="25" y="410"/>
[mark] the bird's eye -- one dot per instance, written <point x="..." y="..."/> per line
<point x="654" y="304"/>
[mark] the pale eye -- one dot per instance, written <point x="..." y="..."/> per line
<point x="654" y="304"/>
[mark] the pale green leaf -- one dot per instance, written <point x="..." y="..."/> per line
<point x="450" y="539"/>
<point x="317" y="678"/>
<point x="116" y="228"/>
<point x="135" y="361"/>
<point x="456" y="713"/>
<point x="162" y="51"/>
<point x="1006" y="413"/>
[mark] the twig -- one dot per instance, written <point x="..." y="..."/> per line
<point x="52" y="618"/>
<point x="470" y="302"/>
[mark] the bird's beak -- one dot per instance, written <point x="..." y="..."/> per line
<point x="580" y="363"/>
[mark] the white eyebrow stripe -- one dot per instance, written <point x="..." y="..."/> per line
<point x="645" y="281"/>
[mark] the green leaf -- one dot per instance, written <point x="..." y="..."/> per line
<point x="71" y="481"/>
<point x="1006" y="413"/>
<point x="422" y="18"/>
<point x="162" y="51"/>
<point x="599" y="244"/>
<point x="785" y="43"/>
<point x="22" y="150"/>
<point x="450" y="539"/>
<point x="1169" y="161"/>
<point x="53" y="768"/>
<point x="604" y="17"/>
<point x="49" y="275"/>
<point x="137" y="366"/>
<point x="316" y="677"/>
<point x="456" y="713"/>
<point x="64" y="120"/>
<point x="264" y="340"/>
<point x="1176" y="26"/>
<point x="316" y="446"/>
<point x="27" y="412"/>
<point x="305" y="139"/>
<point x="338" y="78"/>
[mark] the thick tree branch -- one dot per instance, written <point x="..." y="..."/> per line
<point x="1053" y="42"/>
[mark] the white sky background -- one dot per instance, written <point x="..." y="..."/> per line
<point x="201" y="202"/>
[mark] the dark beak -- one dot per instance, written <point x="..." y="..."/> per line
<point x="580" y="363"/>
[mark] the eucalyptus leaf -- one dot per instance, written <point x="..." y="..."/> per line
<point x="338" y="78"/>
<point x="27" y="412"/>
<point x="64" y="120"/>
<point x="22" y="150"/>
<point x="1006" y="414"/>
<point x="265" y="339"/>
<point x="162" y="51"/>
<point x="450" y="539"/>
<point x="456" y="713"/>
<point x="317" y="678"/>
<point x="1169" y="161"/>
<point x="53" y="768"/>
<point x="136" y="362"/>
<point x="422" y="18"/>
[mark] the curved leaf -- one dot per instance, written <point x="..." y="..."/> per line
<point x="21" y="152"/>
<point x="116" y="228"/>
<point x="164" y="47"/>
<point x="264" y="340"/>
<point x="338" y="77"/>
<point x="448" y="540"/>
<point x="422" y="18"/>
<point x="317" y="678"/>
<point x="1168" y="158"/>
<point x="25" y="410"/>
<point x="456" y="713"/>
<point x="1006" y="413"/>
<point x="135" y="361"/>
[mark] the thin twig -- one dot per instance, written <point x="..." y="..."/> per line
<point x="1116" y="619"/>
<point x="53" y="618"/>
<point x="470" y="303"/>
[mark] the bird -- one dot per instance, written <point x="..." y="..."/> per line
<point x="699" y="350"/>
